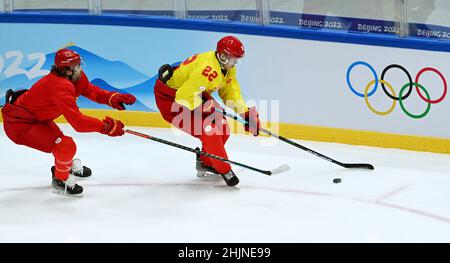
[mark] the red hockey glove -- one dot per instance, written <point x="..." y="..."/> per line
<point x="118" y="100"/>
<point x="252" y="118"/>
<point x="112" y="127"/>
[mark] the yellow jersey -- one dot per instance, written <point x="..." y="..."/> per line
<point x="202" y="73"/>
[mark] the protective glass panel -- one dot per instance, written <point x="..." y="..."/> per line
<point x="145" y="7"/>
<point x="230" y="10"/>
<point x="429" y="18"/>
<point x="51" y="5"/>
<point x="374" y="16"/>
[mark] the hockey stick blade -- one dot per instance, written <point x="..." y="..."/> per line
<point x="280" y="169"/>
<point x="367" y="166"/>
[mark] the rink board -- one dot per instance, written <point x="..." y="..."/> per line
<point x="306" y="85"/>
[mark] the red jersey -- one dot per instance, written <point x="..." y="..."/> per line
<point x="53" y="95"/>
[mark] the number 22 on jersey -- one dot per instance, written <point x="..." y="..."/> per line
<point x="206" y="72"/>
<point x="210" y="75"/>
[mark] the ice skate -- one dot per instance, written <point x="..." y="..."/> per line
<point x="79" y="170"/>
<point x="204" y="171"/>
<point x="230" y="178"/>
<point x="67" y="187"/>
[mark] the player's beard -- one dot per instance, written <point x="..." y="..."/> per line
<point x="76" y="75"/>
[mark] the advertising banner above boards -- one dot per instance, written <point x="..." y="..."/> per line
<point x="310" y="21"/>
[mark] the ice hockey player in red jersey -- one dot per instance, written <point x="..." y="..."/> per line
<point x="183" y="96"/>
<point x="28" y="117"/>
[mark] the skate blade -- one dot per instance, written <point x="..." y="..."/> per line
<point x="79" y="178"/>
<point x="208" y="175"/>
<point x="63" y="193"/>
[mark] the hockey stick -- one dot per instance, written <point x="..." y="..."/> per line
<point x="280" y="169"/>
<point x="346" y="165"/>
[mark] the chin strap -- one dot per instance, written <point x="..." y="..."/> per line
<point x="222" y="61"/>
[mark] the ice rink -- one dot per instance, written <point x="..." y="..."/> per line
<point x="143" y="191"/>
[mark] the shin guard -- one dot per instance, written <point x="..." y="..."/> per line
<point x="63" y="151"/>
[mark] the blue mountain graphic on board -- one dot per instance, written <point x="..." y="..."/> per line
<point x="144" y="91"/>
<point x="117" y="73"/>
<point x="108" y="75"/>
<point x="88" y="104"/>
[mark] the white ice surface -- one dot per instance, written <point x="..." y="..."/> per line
<point x="143" y="191"/>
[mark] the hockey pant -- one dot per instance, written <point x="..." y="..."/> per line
<point x="212" y="129"/>
<point x="23" y="128"/>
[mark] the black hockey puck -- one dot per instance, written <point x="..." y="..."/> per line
<point x="336" y="180"/>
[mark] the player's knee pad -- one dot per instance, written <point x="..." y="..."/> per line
<point x="65" y="148"/>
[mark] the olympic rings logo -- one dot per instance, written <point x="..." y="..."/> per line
<point x="408" y="87"/>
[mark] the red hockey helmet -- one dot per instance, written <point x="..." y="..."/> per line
<point x="67" y="58"/>
<point x="231" y="46"/>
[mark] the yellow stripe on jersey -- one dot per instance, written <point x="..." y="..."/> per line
<point x="202" y="73"/>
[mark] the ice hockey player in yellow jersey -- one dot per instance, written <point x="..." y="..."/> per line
<point x="183" y="96"/>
